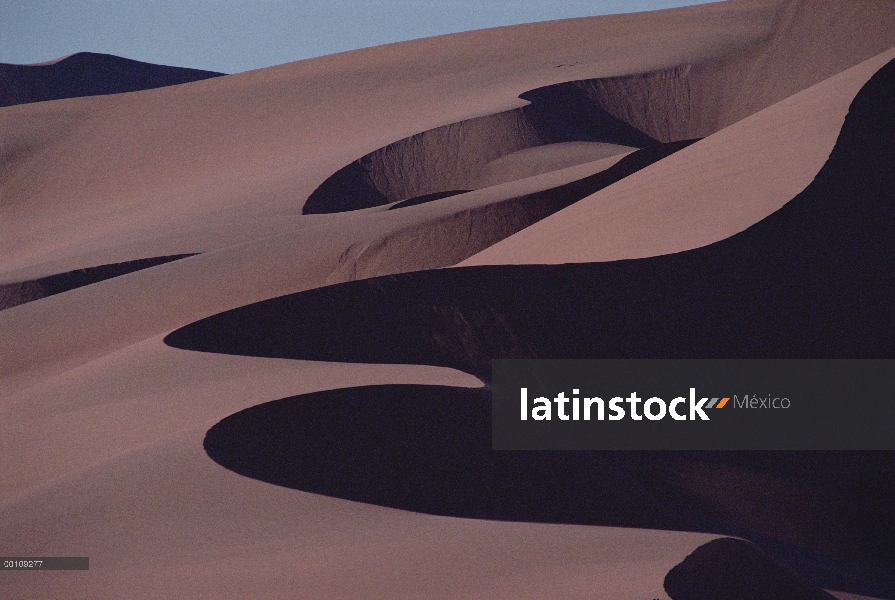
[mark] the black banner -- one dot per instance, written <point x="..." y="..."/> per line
<point x="45" y="563"/>
<point x="699" y="404"/>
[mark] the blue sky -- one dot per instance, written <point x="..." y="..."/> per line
<point x="238" y="35"/>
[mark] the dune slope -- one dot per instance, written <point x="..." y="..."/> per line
<point x="811" y="280"/>
<point x="692" y="99"/>
<point x="87" y="74"/>
<point x="19" y="292"/>
<point x="552" y="164"/>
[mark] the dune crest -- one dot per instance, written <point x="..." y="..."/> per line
<point x="713" y="190"/>
<point x="307" y="120"/>
<point x="87" y="74"/>
<point x="546" y="158"/>
<point x="265" y="417"/>
<point x="786" y="287"/>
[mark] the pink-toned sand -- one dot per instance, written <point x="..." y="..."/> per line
<point x="101" y="424"/>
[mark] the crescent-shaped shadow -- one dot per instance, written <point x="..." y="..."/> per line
<point x="427" y="449"/>
<point x="815" y="279"/>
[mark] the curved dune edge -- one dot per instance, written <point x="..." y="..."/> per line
<point x="87" y="74"/>
<point x="295" y="120"/>
<point x="82" y="418"/>
<point x="707" y="193"/>
<point x="197" y="530"/>
<point x="64" y="393"/>
<point x="682" y="101"/>
<point x="557" y="119"/>
<point x="235" y="269"/>
<point x="367" y="244"/>
<point x="738" y="574"/>
<point x="20" y="292"/>
<point x="87" y="478"/>
<point x="428" y="449"/>
<point x="543" y="159"/>
<point x="736" y="570"/>
<point x="212" y="168"/>
<point x="812" y="279"/>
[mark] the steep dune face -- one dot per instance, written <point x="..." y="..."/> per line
<point x="87" y="74"/>
<point x="457" y="156"/>
<point x="20" y="292"/>
<point x="813" y="279"/>
<point x="257" y="144"/>
<point x="442" y="159"/>
<point x="712" y="190"/>
<point x="465" y="155"/>
<point x="662" y="104"/>
<point x="433" y="235"/>
<point x="108" y="434"/>
<point x="685" y="101"/>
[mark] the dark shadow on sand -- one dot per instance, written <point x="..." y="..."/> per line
<point x="813" y="280"/>
<point x="816" y="279"/>
<point x="565" y="113"/>
<point x="20" y="292"/>
<point x="557" y="113"/>
<point x="428" y="449"/>
<point x="732" y="569"/>
<point x="427" y="198"/>
<point x="88" y="74"/>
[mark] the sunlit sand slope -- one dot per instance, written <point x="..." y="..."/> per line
<point x="673" y="155"/>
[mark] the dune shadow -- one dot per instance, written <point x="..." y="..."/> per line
<point x="813" y="280"/>
<point x="88" y="74"/>
<point x="425" y="449"/>
<point x="731" y="569"/>
<point x="435" y="163"/>
<point x="20" y="292"/>
<point x="564" y="112"/>
<point x="428" y="449"/>
<point x="816" y="279"/>
<point x="427" y="198"/>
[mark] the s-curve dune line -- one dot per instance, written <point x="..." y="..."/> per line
<point x="569" y="142"/>
<point x="705" y="193"/>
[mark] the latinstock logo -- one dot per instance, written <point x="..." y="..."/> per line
<point x="654" y="408"/>
<point x="676" y="404"/>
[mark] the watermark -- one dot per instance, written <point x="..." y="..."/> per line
<point x="44" y="563"/>
<point x="698" y="404"/>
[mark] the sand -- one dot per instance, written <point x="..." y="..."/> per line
<point x="87" y="74"/>
<point x="102" y="423"/>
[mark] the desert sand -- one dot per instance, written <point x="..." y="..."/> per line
<point x="192" y="263"/>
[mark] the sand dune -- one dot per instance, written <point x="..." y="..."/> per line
<point x="19" y="292"/>
<point x="211" y="168"/>
<point x="87" y="74"/>
<point x="707" y="193"/>
<point x="423" y="237"/>
<point x="319" y="204"/>
<point x="789" y="273"/>
<point x="684" y="101"/>
<point x="302" y="114"/>
<point x="546" y="158"/>
<point x="266" y="541"/>
<point x="794" y="280"/>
